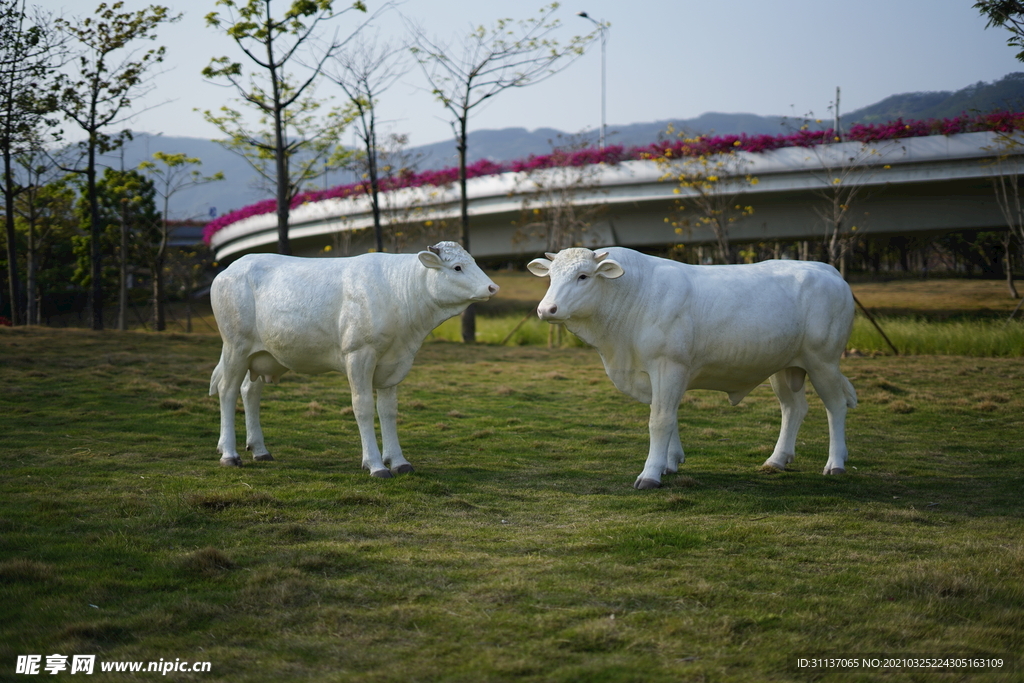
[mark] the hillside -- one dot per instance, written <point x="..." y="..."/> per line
<point x="1006" y="93"/>
<point x="243" y="186"/>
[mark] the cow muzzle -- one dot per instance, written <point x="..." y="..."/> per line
<point x="492" y="289"/>
<point x="549" y="311"/>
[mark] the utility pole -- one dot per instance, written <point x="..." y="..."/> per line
<point x="603" y="27"/>
<point x="836" y="130"/>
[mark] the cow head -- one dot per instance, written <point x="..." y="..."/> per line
<point x="576" y="276"/>
<point x="457" y="278"/>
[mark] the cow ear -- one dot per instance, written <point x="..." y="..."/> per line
<point x="539" y="267"/>
<point x="610" y="269"/>
<point x="430" y="259"/>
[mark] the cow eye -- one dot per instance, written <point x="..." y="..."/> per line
<point x="582" y="277"/>
<point x="458" y="269"/>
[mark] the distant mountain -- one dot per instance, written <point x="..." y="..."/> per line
<point x="1006" y="93"/>
<point x="242" y="186"/>
<point x="513" y="143"/>
<point x="517" y="143"/>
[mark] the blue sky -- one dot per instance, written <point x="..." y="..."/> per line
<point x="666" y="59"/>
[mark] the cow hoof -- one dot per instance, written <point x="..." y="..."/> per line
<point x="231" y="462"/>
<point x="835" y="470"/>
<point x="644" y="484"/>
<point x="404" y="469"/>
<point x="266" y="457"/>
<point x="381" y="474"/>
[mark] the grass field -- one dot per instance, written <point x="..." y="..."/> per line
<point x="518" y="550"/>
<point x="936" y="316"/>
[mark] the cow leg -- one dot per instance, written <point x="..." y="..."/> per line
<point x="790" y="389"/>
<point x="667" y="386"/>
<point x="835" y="392"/>
<point x="226" y="382"/>
<point x="360" y="367"/>
<point x="251" y="392"/>
<point x="387" y="411"/>
<point x="675" y="456"/>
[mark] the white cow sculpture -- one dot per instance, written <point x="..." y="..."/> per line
<point x="663" y="327"/>
<point x="366" y="316"/>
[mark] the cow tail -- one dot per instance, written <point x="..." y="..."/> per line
<point x="218" y="373"/>
<point x="851" y="393"/>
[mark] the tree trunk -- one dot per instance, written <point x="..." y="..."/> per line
<point x="280" y="159"/>
<point x="96" y="248"/>
<point x="12" y="249"/>
<point x="1008" y="264"/>
<point x="122" y="291"/>
<point x="469" y="315"/>
<point x="159" y="313"/>
<point x="283" y="244"/>
<point x="31" y="266"/>
<point x="371" y="167"/>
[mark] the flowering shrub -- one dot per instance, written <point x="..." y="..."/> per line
<point x="1000" y="121"/>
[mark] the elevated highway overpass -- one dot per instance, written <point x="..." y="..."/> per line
<point x="914" y="185"/>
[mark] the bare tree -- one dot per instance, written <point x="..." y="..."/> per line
<point x="1006" y="182"/>
<point x="847" y="170"/>
<point x="283" y="101"/>
<point x="561" y="200"/>
<point x="709" y="185"/>
<point x="170" y="173"/>
<point x="510" y="54"/>
<point x="364" y="72"/>
<point x="843" y="178"/>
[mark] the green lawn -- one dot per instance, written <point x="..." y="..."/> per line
<point x="518" y="550"/>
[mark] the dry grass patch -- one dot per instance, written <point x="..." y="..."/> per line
<point x="901" y="407"/>
<point x="206" y="562"/>
<point x="20" y="570"/>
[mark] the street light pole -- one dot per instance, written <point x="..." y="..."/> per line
<point x="603" y="27"/>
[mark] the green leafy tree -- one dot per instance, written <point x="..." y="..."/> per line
<point x="170" y="173"/>
<point x="29" y="50"/>
<point x="108" y="73"/>
<point x="509" y="54"/>
<point x="46" y="219"/>
<point x="129" y="226"/>
<point x="291" y="124"/>
<point x="1008" y="14"/>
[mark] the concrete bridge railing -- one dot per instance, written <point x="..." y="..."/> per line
<point x="935" y="184"/>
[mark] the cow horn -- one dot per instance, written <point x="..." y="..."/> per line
<point x="551" y="257"/>
<point x="434" y="250"/>
<point x="600" y="257"/>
